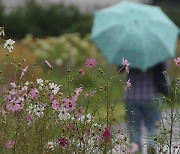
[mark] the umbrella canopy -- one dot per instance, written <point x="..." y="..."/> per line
<point x="140" y="33"/>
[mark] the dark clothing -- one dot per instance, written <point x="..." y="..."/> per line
<point x="140" y="104"/>
<point x="159" y="78"/>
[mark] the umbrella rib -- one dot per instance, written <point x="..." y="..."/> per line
<point x="158" y="38"/>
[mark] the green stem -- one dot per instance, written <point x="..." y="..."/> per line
<point x="89" y="98"/>
<point x="107" y="103"/>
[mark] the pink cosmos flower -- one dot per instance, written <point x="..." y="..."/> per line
<point x="127" y="85"/>
<point x="8" y="97"/>
<point x="10" y="144"/>
<point x="29" y="119"/>
<point x="78" y="90"/>
<point x="14" y="105"/>
<point x="13" y="92"/>
<point x="23" y="72"/>
<point x="132" y="148"/>
<point x="107" y="133"/>
<point x="82" y="72"/>
<point x="13" y="84"/>
<point x="91" y="63"/>
<point x="125" y="64"/>
<point x="177" y="61"/>
<point x="21" y="93"/>
<point x="55" y="104"/>
<point x="62" y="141"/>
<point x="49" y="65"/>
<point x="70" y="126"/>
<point x="91" y="93"/>
<point x="78" y="112"/>
<point x="69" y="104"/>
<point x="52" y="97"/>
<point x="35" y="93"/>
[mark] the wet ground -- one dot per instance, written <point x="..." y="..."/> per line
<point x="165" y="124"/>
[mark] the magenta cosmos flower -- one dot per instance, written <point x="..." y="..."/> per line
<point x="107" y="133"/>
<point x="177" y="61"/>
<point x="14" y="105"/>
<point x="91" y="63"/>
<point x="62" y="141"/>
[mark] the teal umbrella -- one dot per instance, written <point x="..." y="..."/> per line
<point x="140" y="33"/>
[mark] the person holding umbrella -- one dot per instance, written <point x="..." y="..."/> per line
<point x="146" y="37"/>
<point x="141" y="105"/>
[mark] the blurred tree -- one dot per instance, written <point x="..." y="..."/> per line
<point x="1" y="13"/>
<point x="167" y="2"/>
<point x="171" y="8"/>
<point x="42" y="21"/>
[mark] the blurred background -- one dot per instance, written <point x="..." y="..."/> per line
<point x="43" y="18"/>
<point x="59" y="30"/>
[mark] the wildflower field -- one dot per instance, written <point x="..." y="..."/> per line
<point x="59" y="95"/>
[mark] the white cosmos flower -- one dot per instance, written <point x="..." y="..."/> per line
<point x="26" y="83"/>
<point x="40" y="82"/>
<point x="51" y="145"/>
<point x="25" y="88"/>
<point x="63" y="113"/>
<point x="2" y="31"/>
<point x="54" y="87"/>
<point x="96" y="125"/>
<point x="55" y="90"/>
<point x="40" y="88"/>
<point x="88" y="118"/>
<point x="39" y="110"/>
<point x="36" y="110"/>
<point x="9" y="44"/>
<point x="30" y="109"/>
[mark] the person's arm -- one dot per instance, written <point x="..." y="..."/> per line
<point x="160" y="78"/>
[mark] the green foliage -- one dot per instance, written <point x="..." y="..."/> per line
<point x="173" y="13"/>
<point x="69" y="51"/>
<point x="50" y="20"/>
<point x="1" y="12"/>
<point x="54" y="19"/>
